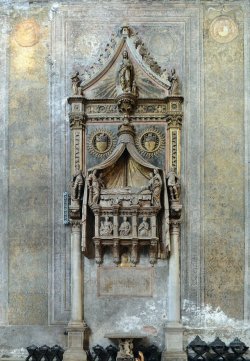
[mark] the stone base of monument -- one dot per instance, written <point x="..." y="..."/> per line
<point x="174" y="343"/>
<point x="75" y="351"/>
<point x="125" y="358"/>
<point x="125" y="344"/>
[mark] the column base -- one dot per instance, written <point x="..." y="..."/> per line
<point x="75" y="351"/>
<point x="74" y="355"/>
<point x="174" y="343"/>
<point x="174" y="356"/>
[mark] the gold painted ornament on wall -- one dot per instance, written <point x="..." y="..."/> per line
<point x="101" y="143"/>
<point x="150" y="142"/>
<point x="223" y="29"/>
<point x="27" y="33"/>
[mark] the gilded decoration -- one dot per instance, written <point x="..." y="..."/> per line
<point x="27" y="33"/>
<point x="101" y="143"/>
<point x="150" y="142"/>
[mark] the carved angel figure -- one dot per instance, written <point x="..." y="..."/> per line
<point x="125" y="227"/>
<point x="173" y="185"/>
<point x="76" y="84"/>
<point x="95" y="184"/>
<point x="174" y="81"/>
<point x="125" y="73"/>
<point x="77" y="186"/>
<point x="106" y="228"/>
<point x="155" y="185"/>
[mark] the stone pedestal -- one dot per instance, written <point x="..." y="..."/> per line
<point x="76" y="326"/>
<point x="75" y="350"/>
<point x="174" y="343"/>
<point x="174" y="350"/>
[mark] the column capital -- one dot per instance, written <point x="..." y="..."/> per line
<point x="75" y="225"/>
<point x="175" y="226"/>
<point x="77" y="120"/>
<point x="174" y="120"/>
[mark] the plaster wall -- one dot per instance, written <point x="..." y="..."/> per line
<point x="35" y="268"/>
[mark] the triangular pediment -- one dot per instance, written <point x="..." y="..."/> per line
<point x="101" y="81"/>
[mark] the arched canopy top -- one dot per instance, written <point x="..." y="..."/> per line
<point x="101" y="74"/>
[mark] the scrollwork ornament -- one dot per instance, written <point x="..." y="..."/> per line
<point x="101" y="143"/>
<point x="150" y="142"/>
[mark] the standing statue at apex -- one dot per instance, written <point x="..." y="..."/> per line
<point x="125" y="73"/>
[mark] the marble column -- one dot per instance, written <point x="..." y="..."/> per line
<point x="174" y="329"/>
<point x="76" y="326"/>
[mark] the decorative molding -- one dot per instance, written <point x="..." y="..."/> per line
<point x="4" y="173"/>
<point x="247" y="161"/>
<point x="77" y="134"/>
<point x="174" y="149"/>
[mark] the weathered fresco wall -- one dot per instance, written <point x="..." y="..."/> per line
<point x="42" y="44"/>
<point x="224" y="165"/>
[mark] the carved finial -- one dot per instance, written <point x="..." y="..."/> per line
<point x="125" y="31"/>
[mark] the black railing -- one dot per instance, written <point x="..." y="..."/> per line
<point x="45" y="353"/>
<point x="217" y="350"/>
<point x="99" y="353"/>
<point x="197" y="350"/>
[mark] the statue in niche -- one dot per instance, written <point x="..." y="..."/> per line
<point x="134" y="88"/>
<point x="106" y="228"/>
<point x="125" y="73"/>
<point x="95" y="184"/>
<point x="144" y="229"/>
<point x="76" y="84"/>
<point x="77" y="186"/>
<point x="174" y="83"/>
<point x="125" y="349"/>
<point x="173" y="185"/>
<point x="125" y="227"/>
<point x="155" y="185"/>
<point x="125" y="260"/>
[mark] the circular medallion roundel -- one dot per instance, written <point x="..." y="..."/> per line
<point x="27" y="33"/>
<point x="150" y="142"/>
<point x="223" y="29"/>
<point x="101" y="143"/>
